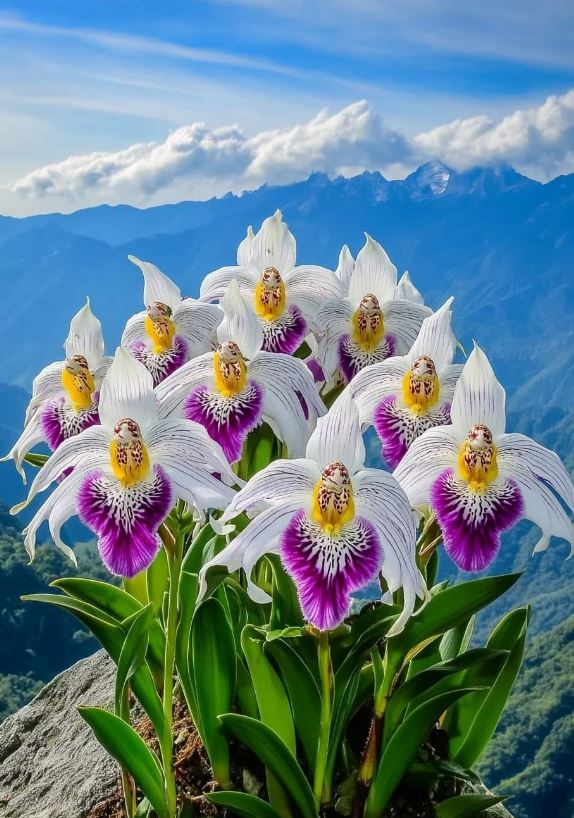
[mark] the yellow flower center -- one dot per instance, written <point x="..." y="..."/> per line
<point x="269" y="299"/>
<point x="78" y="382"/>
<point x="159" y="326"/>
<point x="368" y="324"/>
<point x="420" y="385"/>
<point x="477" y="459"/>
<point x="333" y="504"/>
<point x="128" y="454"/>
<point x="229" y="369"/>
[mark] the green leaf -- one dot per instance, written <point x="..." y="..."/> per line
<point x="449" y="608"/>
<point x="285" y="610"/>
<point x="457" y="639"/>
<point x="303" y="694"/>
<point x="118" y="604"/>
<point x="136" y="586"/>
<point x="272" y="699"/>
<point x="157" y="577"/>
<point x="187" y="596"/>
<point x="408" y="693"/>
<point x="510" y="633"/>
<point x="36" y="460"/>
<point x="266" y="744"/>
<point x="133" y="654"/>
<point x="214" y="674"/>
<point x="403" y="748"/>
<point x="466" y="806"/>
<point x="123" y="743"/>
<point x="240" y="803"/>
<point x="111" y="636"/>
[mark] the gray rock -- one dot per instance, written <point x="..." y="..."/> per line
<point x="51" y="766"/>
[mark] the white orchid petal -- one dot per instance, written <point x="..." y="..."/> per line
<point x="407" y="291"/>
<point x="428" y="455"/>
<point x="282" y="410"/>
<point x="280" y="482"/>
<point x="196" y="322"/>
<point x="127" y="392"/>
<point x="245" y="247"/>
<point x="403" y="319"/>
<point x="436" y="339"/>
<point x="516" y="449"/>
<point x="375" y="382"/>
<point x="374" y="273"/>
<point x="260" y="537"/>
<point x="309" y="287"/>
<point x="85" y="337"/>
<point x="158" y="288"/>
<point x="173" y="391"/>
<point x="345" y="268"/>
<point x="337" y="437"/>
<point x="478" y="397"/>
<point x="30" y="437"/>
<point x="174" y="440"/>
<point x="215" y="284"/>
<point x="90" y="447"/>
<point x="239" y="324"/>
<point x="275" y="367"/>
<point x="448" y="380"/>
<point x="273" y="245"/>
<point x="135" y="329"/>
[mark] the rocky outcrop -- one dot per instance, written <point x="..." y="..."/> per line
<point x="51" y="766"/>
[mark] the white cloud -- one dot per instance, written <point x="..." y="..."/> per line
<point x="354" y="136"/>
<point x="539" y="140"/>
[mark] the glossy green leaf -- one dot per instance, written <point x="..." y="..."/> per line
<point x="466" y="806"/>
<point x="111" y="636"/>
<point x="449" y="608"/>
<point x="403" y="748"/>
<point x="511" y="633"/>
<point x="118" y="604"/>
<point x="136" y="586"/>
<point x="129" y="749"/>
<point x="457" y="640"/>
<point x="188" y="584"/>
<point x="133" y="653"/>
<point x="36" y="460"/>
<point x="303" y="694"/>
<point x="214" y="673"/>
<point x="285" y="609"/>
<point x="408" y="693"/>
<point x="276" y="756"/>
<point x="157" y="577"/>
<point x="242" y="804"/>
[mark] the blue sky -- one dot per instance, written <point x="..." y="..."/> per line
<point x="467" y="80"/>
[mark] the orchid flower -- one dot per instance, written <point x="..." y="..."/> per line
<point x="284" y="297"/>
<point x="406" y="290"/>
<point x="404" y="396"/>
<point x="128" y="473"/>
<point x="235" y="388"/>
<point x="370" y="324"/>
<point x="171" y="329"/>
<point x="65" y="394"/>
<point x="334" y="523"/>
<point x="480" y="480"/>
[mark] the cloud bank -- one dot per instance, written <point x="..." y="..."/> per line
<point x="539" y="140"/>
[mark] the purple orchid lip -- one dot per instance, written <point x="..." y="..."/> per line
<point x="59" y="422"/>
<point x="314" y="559"/>
<point x="472" y="522"/>
<point x="286" y="333"/>
<point x="227" y="420"/>
<point x="125" y="520"/>
<point x="397" y="427"/>
<point x="164" y="363"/>
<point x="352" y="358"/>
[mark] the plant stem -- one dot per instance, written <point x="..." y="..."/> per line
<point x="175" y="559"/>
<point x="322" y="792"/>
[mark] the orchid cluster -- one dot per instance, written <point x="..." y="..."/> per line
<point x="219" y="459"/>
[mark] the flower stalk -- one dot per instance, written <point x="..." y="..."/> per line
<point x="322" y="787"/>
